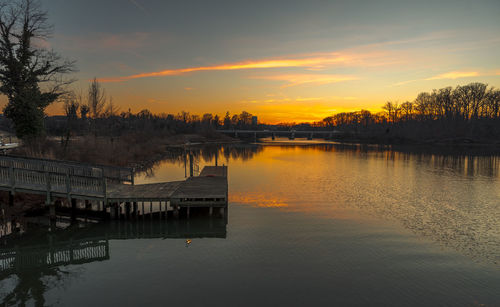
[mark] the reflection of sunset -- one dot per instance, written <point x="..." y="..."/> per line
<point x="257" y="200"/>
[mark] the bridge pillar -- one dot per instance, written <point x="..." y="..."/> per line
<point x="255" y="137"/>
<point x="236" y="134"/>
<point x="292" y="136"/>
<point x="211" y="211"/>
<point x="273" y="136"/>
<point x="187" y="211"/>
<point x="222" y="211"/>
<point x="310" y="136"/>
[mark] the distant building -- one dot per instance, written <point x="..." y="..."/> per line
<point x="254" y="120"/>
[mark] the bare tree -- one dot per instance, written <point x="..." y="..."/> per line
<point x="96" y="98"/>
<point x="111" y="108"/>
<point x="30" y="76"/>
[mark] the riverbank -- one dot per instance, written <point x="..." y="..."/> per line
<point x="137" y="150"/>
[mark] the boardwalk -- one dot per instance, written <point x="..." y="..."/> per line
<point x="110" y="186"/>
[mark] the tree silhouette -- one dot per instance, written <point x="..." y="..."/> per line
<point x="30" y="75"/>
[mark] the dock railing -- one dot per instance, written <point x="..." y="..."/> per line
<point x="61" y="178"/>
<point x="112" y="173"/>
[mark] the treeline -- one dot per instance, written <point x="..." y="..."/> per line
<point x="116" y="124"/>
<point x="98" y="115"/>
<point x="469" y="111"/>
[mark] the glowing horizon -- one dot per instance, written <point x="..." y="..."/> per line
<point x="293" y="62"/>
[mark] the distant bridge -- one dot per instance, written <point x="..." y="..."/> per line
<point x="291" y="134"/>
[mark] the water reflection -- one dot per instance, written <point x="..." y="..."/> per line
<point x="39" y="260"/>
<point x="206" y="154"/>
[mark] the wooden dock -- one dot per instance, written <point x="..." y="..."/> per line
<point x="112" y="189"/>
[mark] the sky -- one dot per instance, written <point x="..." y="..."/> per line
<point x="284" y="61"/>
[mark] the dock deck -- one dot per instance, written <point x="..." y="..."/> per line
<point x="107" y="185"/>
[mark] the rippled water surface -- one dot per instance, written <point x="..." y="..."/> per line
<point x="308" y="224"/>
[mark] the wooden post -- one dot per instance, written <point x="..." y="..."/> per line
<point x="12" y="177"/>
<point x="73" y="209"/>
<point x="134" y="209"/>
<point x="176" y="211"/>
<point x="190" y="164"/>
<point x="104" y="215"/>
<point x="151" y="210"/>
<point x="68" y="185"/>
<point x="48" y="201"/>
<point x="210" y="211"/>
<point x="127" y="210"/>
<point x="143" y="210"/>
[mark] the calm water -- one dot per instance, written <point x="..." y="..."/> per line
<point x="308" y="225"/>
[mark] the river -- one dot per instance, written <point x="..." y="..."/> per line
<point x="308" y="223"/>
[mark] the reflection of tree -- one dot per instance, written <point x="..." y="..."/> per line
<point x="33" y="284"/>
<point x="469" y="161"/>
<point x="207" y="153"/>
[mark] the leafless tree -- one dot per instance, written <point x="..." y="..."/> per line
<point x="96" y="98"/>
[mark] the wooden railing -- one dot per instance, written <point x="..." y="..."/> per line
<point x="59" y="177"/>
<point x="112" y="173"/>
<point x="50" y="182"/>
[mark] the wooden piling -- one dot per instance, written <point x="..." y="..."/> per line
<point x="73" y="209"/>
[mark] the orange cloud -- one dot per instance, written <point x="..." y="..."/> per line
<point x="313" y="79"/>
<point x="455" y="75"/>
<point x="312" y="61"/>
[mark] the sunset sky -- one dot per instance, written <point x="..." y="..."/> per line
<point x="281" y="60"/>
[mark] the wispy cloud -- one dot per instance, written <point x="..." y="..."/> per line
<point x="314" y="61"/>
<point x="308" y="79"/>
<point x="455" y="75"/>
<point x="448" y="75"/>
